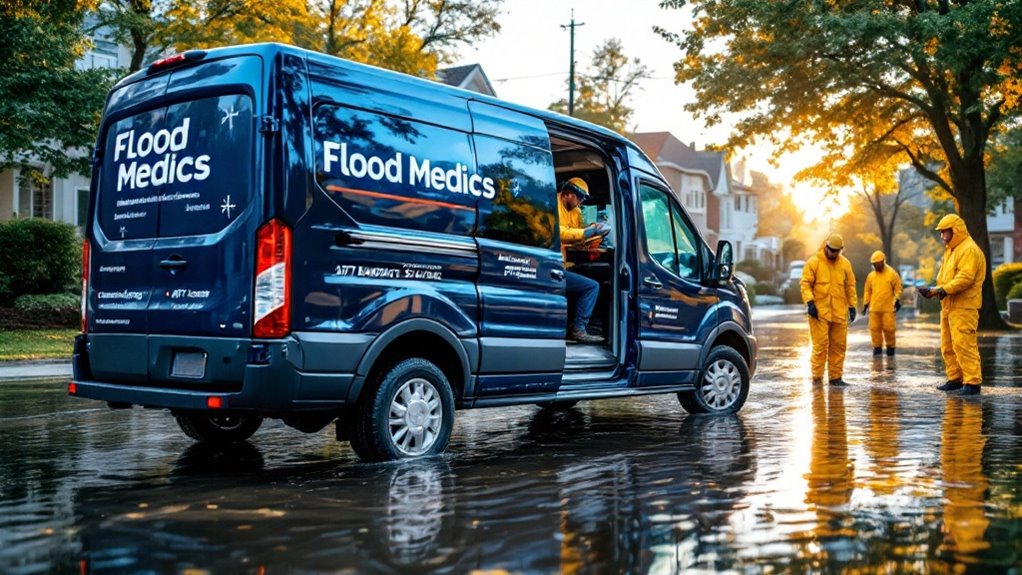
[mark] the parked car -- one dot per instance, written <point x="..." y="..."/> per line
<point x="790" y="286"/>
<point x="274" y="232"/>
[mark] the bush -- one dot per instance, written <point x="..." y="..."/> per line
<point x="54" y="309"/>
<point x="756" y="269"/>
<point x="764" y="288"/>
<point x="37" y="256"/>
<point x="1014" y="293"/>
<point x="1005" y="277"/>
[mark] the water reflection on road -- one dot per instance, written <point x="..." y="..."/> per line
<point x="885" y="476"/>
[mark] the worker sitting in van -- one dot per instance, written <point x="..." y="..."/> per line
<point x="582" y="290"/>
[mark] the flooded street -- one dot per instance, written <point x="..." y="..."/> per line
<point x="887" y="475"/>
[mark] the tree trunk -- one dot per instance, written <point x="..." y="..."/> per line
<point x="972" y="206"/>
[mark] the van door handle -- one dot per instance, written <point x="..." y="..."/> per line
<point x="557" y="275"/>
<point x="174" y="263"/>
<point x="652" y="282"/>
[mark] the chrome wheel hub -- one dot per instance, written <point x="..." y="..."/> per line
<point x="416" y="416"/>
<point x="722" y="385"/>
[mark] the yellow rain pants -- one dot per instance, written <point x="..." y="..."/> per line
<point x="881" y="328"/>
<point x="962" y="272"/>
<point x="830" y="340"/>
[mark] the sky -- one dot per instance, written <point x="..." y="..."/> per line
<point x="527" y="63"/>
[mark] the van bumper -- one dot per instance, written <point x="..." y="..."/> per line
<point x="267" y="376"/>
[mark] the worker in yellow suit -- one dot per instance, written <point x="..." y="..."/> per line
<point x="828" y="290"/>
<point x="960" y="289"/>
<point x="881" y="299"/>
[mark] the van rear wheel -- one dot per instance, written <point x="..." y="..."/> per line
<point x="723" y="385"/>
<point x="218" y="428"/>
<point x="407" y="413"/>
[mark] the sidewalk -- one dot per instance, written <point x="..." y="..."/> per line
<point x="35" y="369"/>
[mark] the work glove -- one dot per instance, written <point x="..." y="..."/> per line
<point x="925" y="291"/>
<point x="897" y="306"/>
<point x="851" y="315"/>
<point x="865" y="309"/>
<point x="811" y="310"/>
<point x="940" y="293"/>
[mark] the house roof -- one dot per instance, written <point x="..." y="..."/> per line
<point x="463" y="77"/>
<point x="664" y="147"/>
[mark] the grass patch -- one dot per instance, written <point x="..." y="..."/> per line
<point x="36" y="344"/>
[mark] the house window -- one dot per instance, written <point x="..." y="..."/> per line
<point x="82" y="195"/>
<point x="738" y="203"/>
<point x="35" y="198"/>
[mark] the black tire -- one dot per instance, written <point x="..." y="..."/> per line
<point x="559" y="405"/>
<point x="723" y="384"/>
<point x="218" y="428"/>
<point x="427" y="425"/>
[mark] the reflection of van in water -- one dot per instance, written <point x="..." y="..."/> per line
<point x="277" y="233"/>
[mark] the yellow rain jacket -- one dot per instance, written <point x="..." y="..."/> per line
<point x="572" y="229"/>
<point x="831" y="284"/>
<point x="882" y="290"/>
<point x="962" y="270"/>
<point x="961" y="275"/>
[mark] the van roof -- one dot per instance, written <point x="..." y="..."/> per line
<point x="270" y="49"/>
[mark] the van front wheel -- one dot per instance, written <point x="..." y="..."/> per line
<point x="407" y="413"/>
<point x="723" y="385"/>
<point x="218" y="428"/>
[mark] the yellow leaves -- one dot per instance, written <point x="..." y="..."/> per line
<point x="999" y="26"/>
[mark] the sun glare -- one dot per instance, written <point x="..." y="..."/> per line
<point x="816" y="205"/>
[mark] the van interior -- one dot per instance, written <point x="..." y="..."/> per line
<point x="594" y="259"/>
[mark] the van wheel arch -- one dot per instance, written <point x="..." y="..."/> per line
<point x="422" y="338"/>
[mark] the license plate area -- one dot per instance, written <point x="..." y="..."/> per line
<point x="188" y="365"/>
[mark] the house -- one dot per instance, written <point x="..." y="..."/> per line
<point x="1004" y="226"/>
<point x="61" y="199"/>
<point x="722" y="200"/>
<point x="698" y="178"/>
<point x="470" y="77"/>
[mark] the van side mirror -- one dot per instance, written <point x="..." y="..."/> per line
<point x="725" y="269"/>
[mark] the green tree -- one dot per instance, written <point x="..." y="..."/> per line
<point x="934" y="79"/>
<point x="603" y="92"/>
<point x="49" y="110"/>
<point x="133" y="23"/>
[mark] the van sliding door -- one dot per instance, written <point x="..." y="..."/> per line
<point x="521" y="273"/>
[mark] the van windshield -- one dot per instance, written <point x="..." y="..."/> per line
<point x="180" y="170"/>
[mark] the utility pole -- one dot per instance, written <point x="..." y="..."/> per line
<point x="571" y="65"/>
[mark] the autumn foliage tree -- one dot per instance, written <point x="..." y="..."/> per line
<point x="603" y="91"/>
<point x="935" y="79"/>
<point x="411" y="36"/>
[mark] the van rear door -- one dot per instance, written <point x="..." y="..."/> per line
<point x="177" y="208"/>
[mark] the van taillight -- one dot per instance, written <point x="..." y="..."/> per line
<point x="272" y="281"/>
<point x="85" y="285"/>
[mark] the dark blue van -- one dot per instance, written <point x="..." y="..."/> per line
<point x="278" y="233"/>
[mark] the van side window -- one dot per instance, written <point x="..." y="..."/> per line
<point x="395" y="172"/>
<point x="523" y="209"/>
<point x="670" y="240"/>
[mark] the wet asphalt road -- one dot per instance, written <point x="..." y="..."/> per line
<point x="886" y="476"/>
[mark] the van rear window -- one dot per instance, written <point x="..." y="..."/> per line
<point x="180" y="170"/>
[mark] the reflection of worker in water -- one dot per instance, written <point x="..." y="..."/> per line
<point x="961" y="454"/>
<point x="829" y="481"/>
<point x="881" y="440"/>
